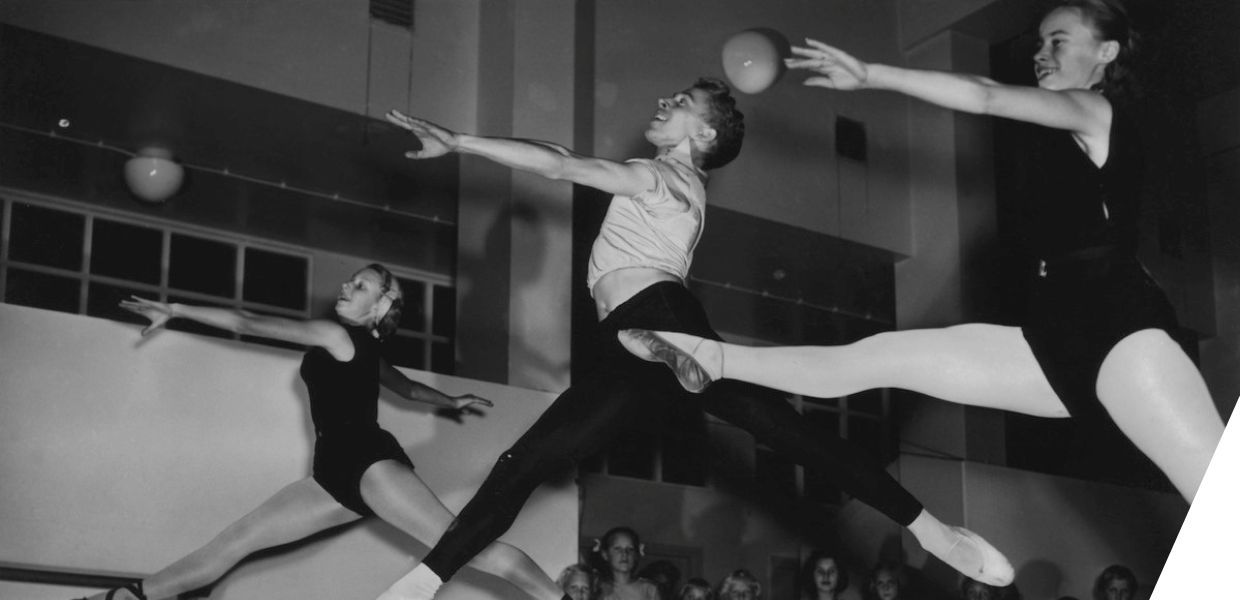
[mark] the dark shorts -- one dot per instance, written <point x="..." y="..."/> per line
<point x="342" y="456"/>
<point x="1079" y="310"/>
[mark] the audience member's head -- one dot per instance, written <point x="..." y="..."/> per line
<point x="579" y="582"/>
<point x="696" y="588"/>
<point x="823" y="575"/>
<point x="975" y="590"/>
<point x="971" y="589"/>
<point x="1115" y="582"/>
<point x="739" y="585"/>
<point x="619" y="551"/>
<point x="887" y="582"/>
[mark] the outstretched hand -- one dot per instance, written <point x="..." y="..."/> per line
<point x="467" y="404"/>
<point x="838" y="70"/>
<point x="157" y="312"/>
<point x="436" y="141"/>
<point x="469" y="401"/>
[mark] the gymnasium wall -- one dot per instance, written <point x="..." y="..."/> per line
<point x="119" y="454"/>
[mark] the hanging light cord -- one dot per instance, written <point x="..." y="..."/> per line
<point x="335" y="197"/>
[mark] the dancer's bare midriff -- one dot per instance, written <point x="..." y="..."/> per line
<point x="614" y="288"/>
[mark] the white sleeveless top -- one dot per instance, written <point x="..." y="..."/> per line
<point x="658" y="228"/>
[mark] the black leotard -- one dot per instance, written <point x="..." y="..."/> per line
<point x="1089" y="291"/>
<point x="344" y="405"/>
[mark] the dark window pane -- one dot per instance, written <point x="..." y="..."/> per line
<point x="275" y="279"/>
<point x="632" y="456"/>
<point x="405" y="351"/>
<point x="444" y="311"/>
<point x="126" y="251"/>
<point x="414" y="316"/>
<point x="443" y="357"/>
<point x="194" y="326"/>
<point x="775" y="473"/>
<point x="869" y="401"/>
<point x="42" y="291"/>
<point x="47" y="237"/>
<point x="201" y="265"/>
<point x="103" y="301"/>
<point x="868" y="434"/>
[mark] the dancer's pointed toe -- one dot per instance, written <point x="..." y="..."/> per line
<point x="977" y="559"/>
<point x="696" y="361"/>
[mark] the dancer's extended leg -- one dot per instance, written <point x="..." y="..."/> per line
<point x="1158" y="399"/>
<point x="976" y="364"/>
<point x="398" y="496"/>
<point x="784" y="430"/>
<point x="295" y="512"/>
<point x="581" y="421"/>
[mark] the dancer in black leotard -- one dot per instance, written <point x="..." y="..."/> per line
<point x="1096" y="343"/>
<point x="359" y="469"/>
<point x="636" y="275"/>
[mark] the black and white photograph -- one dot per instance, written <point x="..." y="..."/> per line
<point x="420" y="300"/>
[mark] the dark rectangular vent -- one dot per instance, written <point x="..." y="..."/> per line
<point x="396" y="12"/>
<point x="850" y="138"/>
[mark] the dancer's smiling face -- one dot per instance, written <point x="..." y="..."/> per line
<point x="1070" y="55"/>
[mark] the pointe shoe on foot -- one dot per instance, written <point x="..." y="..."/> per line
<point x="696" y="361"/>
<point x="977" y="559"/>
<point x="134" y="589"/>
<point x="419" y="584"/>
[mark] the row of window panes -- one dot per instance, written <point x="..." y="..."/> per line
<point x="859" y="418"/>
<point x="77" y="262"/>
<point x="684" y="460"/>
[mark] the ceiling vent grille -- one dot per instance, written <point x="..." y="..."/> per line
<point x="395" y="12"/>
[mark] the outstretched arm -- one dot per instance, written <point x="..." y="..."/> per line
<point x="326" y="334"/>
<point x="541" y="158"/>
<point x="391" y="378"/>
<point x="1079" y="111"/>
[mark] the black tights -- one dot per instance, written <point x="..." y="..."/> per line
<point x="622" y="391"/>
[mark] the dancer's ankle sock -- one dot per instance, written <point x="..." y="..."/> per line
<point x="419" y="584"/>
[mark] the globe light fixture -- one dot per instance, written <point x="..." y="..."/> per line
<point x="152" y="175"/>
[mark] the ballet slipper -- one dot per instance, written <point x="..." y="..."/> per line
<point x="419" y="584"/>
<point x="696" y="361"/>
<point x="134" y="588"/>
<point x="976" y="558"/>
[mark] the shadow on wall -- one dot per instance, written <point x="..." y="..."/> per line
<point x="489" y="324"/>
